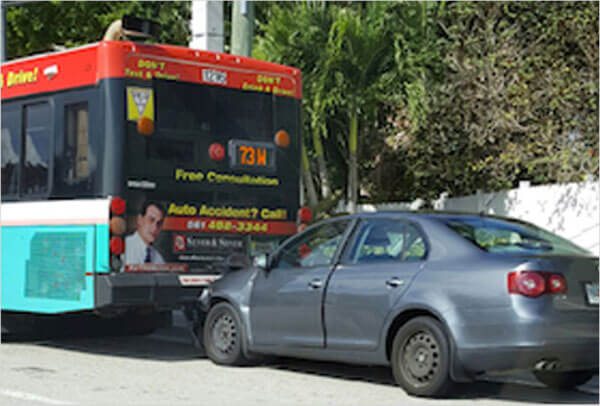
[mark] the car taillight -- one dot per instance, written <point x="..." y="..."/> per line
<point x="536" y="283"/>
<point x="556" y="283"/>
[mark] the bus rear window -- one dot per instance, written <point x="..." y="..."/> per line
<point x="169" y="150"/>
<point x="77" y="168"/>
<point x="505" y="236"/>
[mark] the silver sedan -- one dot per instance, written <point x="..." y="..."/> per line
<point x="440" y="297"/>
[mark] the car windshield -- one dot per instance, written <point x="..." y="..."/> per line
<point x="505" y="236"/>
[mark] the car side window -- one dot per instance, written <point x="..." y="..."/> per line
<point x="378" y="240"/>
<point x="317" y="247"/>
<point x="414" y="244"/>
<point x="387" y="240"/>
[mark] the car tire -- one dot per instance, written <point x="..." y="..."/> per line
<point x="224" y="335"/>
<point x="421" y="358"/>
<point x="563" y="380"/>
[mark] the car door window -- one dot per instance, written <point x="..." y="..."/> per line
<point x="378" y="241"/>
<point x="387" y="240"/>
<point x="415" y="248"/>
<point x="317" y="247"/>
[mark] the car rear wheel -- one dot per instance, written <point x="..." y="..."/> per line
<point x="223" y="336"/>
<point x="421" y="358"/>
<point x="563" y="380"/>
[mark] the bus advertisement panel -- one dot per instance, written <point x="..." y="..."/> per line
<point x="221" y="165"/>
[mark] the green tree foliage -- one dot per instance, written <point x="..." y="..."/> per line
<point x="418" y="70"/>
<point x="518" y="100"/>
<point x="360" y="74"/>
<point x="476" y="96"/>
<point x="345" y="77"/>
<point x="40" y="26"/>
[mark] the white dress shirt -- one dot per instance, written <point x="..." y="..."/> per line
<point x="136" y="250"/>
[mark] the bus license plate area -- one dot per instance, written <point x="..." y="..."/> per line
<point x="170" y="267"/>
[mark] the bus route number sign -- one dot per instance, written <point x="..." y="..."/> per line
<point x="252" y="155"/>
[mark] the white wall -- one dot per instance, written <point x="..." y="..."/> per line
<point x="570" y="210"/>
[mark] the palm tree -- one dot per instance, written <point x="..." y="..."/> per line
<point x="292" y="36"/>
<point x="359" y="73"/>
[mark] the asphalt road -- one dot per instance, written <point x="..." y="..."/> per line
<point x="165" y="369"/>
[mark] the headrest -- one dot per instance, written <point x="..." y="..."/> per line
<point x="378" y="237"/>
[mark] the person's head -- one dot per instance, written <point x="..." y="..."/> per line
<point x="150" y="221"/>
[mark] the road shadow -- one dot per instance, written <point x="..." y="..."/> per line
<point x="494" y="389"/>
<point x="23" y="328"/>
<point x="140" y="347"/>
<point x="114" y="343"/>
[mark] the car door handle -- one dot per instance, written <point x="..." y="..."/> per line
<point x="315" y="284"/>
<point x="394" y="282"/>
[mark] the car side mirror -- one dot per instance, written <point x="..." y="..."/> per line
<point x="262" y="261"/>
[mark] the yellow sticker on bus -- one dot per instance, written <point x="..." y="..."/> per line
<point x="140" y="103"/>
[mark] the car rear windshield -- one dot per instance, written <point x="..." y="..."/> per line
<point x="505" y="236"/>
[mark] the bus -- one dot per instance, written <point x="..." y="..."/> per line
<point x="131" y="170"/>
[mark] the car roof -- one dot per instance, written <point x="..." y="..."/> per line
<point x="428" y="214"/>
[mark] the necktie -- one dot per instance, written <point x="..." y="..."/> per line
<point x="148" y="257"/>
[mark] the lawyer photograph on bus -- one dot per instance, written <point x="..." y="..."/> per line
<point x="139" y="245"/>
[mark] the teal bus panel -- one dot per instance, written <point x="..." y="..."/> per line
<point x="44" y="268"/>
<point x="102" y="248"/>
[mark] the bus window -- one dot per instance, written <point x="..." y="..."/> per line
<point x="170" y="150"/>
<point x="76" y="144"/>
<point x="37" y="149"/>
<point x="11" y="151"/>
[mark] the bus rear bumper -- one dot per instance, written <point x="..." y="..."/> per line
<point x="162" y="291"/>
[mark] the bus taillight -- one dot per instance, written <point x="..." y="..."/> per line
<point x="117" y="206"/>
<point x="118" y="226"/>
<point x="117" y="245"/>
<point x="305" y="215"/>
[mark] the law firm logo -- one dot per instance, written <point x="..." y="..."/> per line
<point x="179" y="243"/>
